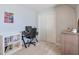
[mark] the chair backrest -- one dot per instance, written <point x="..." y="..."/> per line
<point x="28" y="28"/>
<point x="33" y="33"/>
<point x="30" y="32"/>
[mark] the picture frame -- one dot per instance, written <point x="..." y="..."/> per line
<point x="8" y="17"/>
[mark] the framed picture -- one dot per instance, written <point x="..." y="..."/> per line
<point x="8" y="17"/>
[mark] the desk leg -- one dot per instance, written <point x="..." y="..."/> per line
<point x="24" y="42"/>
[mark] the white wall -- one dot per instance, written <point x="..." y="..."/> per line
<point x="65" y="17"/>
<point x="22" y="17"/>
<point x="46" y="22"/>
<point x="47" y="27"/>
<point x="77" y="11"/>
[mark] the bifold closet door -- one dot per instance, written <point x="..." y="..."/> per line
<point x="51" y="26"/>
<point x="42" y="27"/>
<point x="47" y="26"/>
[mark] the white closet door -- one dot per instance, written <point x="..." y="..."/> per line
<point x="51" y="26"/>
<point x="47" y="26"/>
<point x="42" y="27"/>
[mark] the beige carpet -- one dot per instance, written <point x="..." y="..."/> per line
<point x="41" y="48"/>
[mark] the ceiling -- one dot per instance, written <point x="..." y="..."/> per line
<point x="42" y="7"/>
<point x="39" y="7"/>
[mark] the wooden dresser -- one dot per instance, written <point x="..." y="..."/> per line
<point x="69" y="43"/>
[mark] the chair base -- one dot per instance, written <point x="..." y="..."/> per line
<point x="29" y="43"/>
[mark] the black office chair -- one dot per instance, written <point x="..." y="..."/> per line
<point x="30" y="33"/>
<point x="32" y="37"/>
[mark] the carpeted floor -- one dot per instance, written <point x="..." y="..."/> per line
<point x="41" y="48"/>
